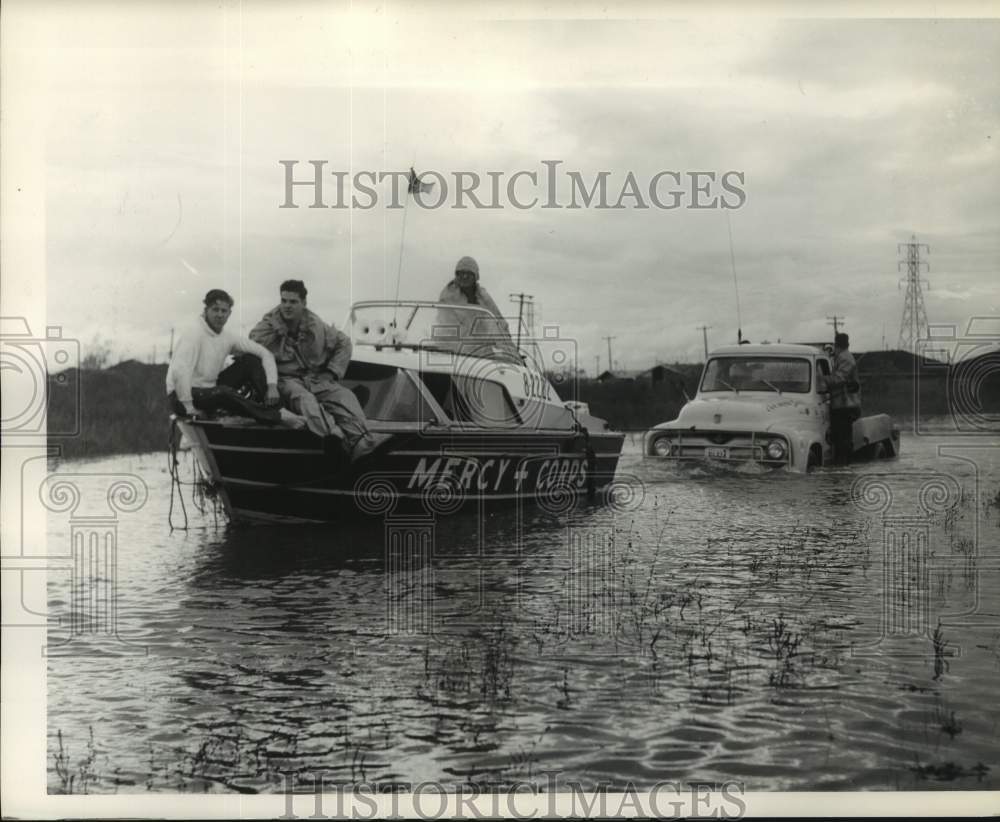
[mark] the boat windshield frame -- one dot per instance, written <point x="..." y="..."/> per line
<point x="487" y="340"/>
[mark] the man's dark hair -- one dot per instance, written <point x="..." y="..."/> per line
<point x="218" y="295"/>
<point x="296" y="286"/>
<point x="841" y="340"/>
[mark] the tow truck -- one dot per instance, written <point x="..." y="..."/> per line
<point x="766" y="404"/>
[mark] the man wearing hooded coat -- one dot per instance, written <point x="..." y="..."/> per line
<point x="466" y="290"/>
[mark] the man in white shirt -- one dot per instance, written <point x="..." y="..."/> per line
<point x="196" y="380"/>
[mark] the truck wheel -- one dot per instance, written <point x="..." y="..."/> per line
<point x="884" y="450"/>
<point x="815" y="458"/>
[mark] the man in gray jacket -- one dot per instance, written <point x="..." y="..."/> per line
<point x="312" y="357"/>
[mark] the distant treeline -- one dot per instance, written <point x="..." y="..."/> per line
<point x="641" y="403"/>
<point x="888" y="386"/>
<point x="123" y="409"/>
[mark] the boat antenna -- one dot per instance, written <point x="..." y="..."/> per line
<point x="736" y="282"/>
<point x="412" y="187"/>
<point x="402" y="236"/>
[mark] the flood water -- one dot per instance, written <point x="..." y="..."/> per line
<point x="836" y="631"/>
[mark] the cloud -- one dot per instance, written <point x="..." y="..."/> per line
<point x="852" y="135"/>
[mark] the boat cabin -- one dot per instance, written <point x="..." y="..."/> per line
<point x="448" y="365"/>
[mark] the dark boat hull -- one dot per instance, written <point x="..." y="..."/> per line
<point x="279" y="474"/>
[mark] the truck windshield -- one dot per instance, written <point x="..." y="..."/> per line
<point x="791" y="374"/>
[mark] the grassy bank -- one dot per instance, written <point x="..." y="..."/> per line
<point x="635" y="404"/>
<point x="123" y="409"/>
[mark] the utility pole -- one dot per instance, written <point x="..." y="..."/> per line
<point x="704" y="333"/>
<point x="914" y="323"/>
<point x="597" y="366"/>
<point x="834" y="321"/>
<point x="610" y="364"/>
<point x="170" y="353"/>
<point x="520" y="298"/>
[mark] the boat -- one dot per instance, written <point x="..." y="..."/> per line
<point x="461" y="414"/>
<point x="765" y="404"/>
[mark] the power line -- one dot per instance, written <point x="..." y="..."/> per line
<point x="610" y="364"/>
<point x="704" y="333"/>
<point x="914" y="324"/>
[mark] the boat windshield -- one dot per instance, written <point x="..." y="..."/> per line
<point x="781" y="374"/>
<point x="462" y="329"/>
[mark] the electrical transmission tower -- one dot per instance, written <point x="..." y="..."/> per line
<point x="914" y="323"/>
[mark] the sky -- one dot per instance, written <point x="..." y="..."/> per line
<point x="165" y="125"/>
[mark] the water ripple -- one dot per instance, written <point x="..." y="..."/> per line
<point x="734" y="627"/>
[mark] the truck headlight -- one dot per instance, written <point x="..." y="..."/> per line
<point x="662" y="447"/>
<point x="776" y="450"/>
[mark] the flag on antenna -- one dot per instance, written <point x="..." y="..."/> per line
<point x="416" y="186"/>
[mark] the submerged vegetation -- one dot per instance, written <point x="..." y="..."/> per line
<point x="762" y="622"/>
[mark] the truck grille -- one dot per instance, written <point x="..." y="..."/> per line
<point x="725" y="446"/>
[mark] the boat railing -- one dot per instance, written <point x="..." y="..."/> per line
<point x="468" y="330"/>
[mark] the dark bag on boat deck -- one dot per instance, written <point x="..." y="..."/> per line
<point x="246" y="377"/>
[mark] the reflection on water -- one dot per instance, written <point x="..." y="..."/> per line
<point x="831" y="631"/>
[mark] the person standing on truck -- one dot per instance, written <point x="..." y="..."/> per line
<point x="845" y="399"/>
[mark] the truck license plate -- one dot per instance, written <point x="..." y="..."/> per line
<point x="717" y="453"/>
